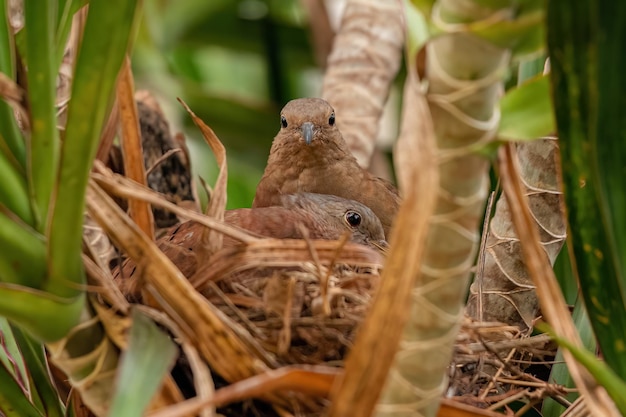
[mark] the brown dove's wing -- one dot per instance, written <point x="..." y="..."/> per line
<point x="180" y="245"/>
<point x="309" y="155"/>
<point x="382" y="197"/>
<point x="276" y="222"/>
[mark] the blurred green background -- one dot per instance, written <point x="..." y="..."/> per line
<point x="235" y="63"/>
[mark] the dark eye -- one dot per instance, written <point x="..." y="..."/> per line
<point x="283" y="121"/>
<point x="331" y="119"/>
<point x="353" y="218"/>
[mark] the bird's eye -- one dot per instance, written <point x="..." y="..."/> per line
<point x="283" y="121"/>
<point x="331" y="119"/>
<point x="353" y="218"/>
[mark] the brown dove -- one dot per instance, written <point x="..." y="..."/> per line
<point x="310" y="155"/>
<point x="323" y="216"/>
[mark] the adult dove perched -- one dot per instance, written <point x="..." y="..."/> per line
<point x="310" y="155"/>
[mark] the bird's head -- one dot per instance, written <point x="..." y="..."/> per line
<point x="340" y="214"/>
<point x="365" y="226"/>
<point x="308" y="119"/>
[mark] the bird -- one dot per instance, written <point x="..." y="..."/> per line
<point x="309" y="155"/>
<point x="323" y="217"/>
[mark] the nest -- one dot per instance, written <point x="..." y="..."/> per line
<point x="276" y="303"/>
<point x="498" y="367"/>
<point x="291" y="315"/>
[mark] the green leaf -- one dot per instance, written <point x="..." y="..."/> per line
<point x="46" y="317"/>
<point x="424" y="6"/>
<point x="614" y="385"/>
<point x="67" y="9"/>
<point x="530" y="68"/>
<point x="527" y="111"/>
<point x="43" y="155"/>
<point x="40" y="379"/>
<point x="105" y="41"/>
<point x="11" y="143"/>
<point x="417" y="28"/>
<point x="523" y="34"/>
<point x="14" y="190"/>
<point x="143" y="365"/>
<point x="13" y="400"/>
<point x="23" y="259"/>
<point x="586" y="53"/>
<point x="568" y="282"/>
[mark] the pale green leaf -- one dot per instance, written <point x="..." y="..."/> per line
<point x="11" y="142"/>
<point x="14" y="189"/>
<point x="43" y="155"/>
<point x="527" y="111"/>
<point x="23" y="259"/>
<point x="523" y="34"/>
<point x="417" y="28"/>
<point x="105" y="42"/>
<point x="530" y="68"/>
<point x="46" y="317"/>
<point x="67" y="9"/>
<point x="149" y="356"/>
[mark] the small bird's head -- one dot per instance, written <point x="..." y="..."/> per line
<point x="338" y="215"/>
<point x="365" y="226"/>
<point x="308" y="118"/>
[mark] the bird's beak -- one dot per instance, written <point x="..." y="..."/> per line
<point x="307" y="132"/>
<point x="381" y="245"/>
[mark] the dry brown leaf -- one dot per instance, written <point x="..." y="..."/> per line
<point x="310" y="380"/>
<point x="10" y="91"/>
<point x="131" y="146"/>
<point x="212" y="240"/>
<point x="116" y="325"/>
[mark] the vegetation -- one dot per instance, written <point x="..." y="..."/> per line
<point x="66" y="86"/>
